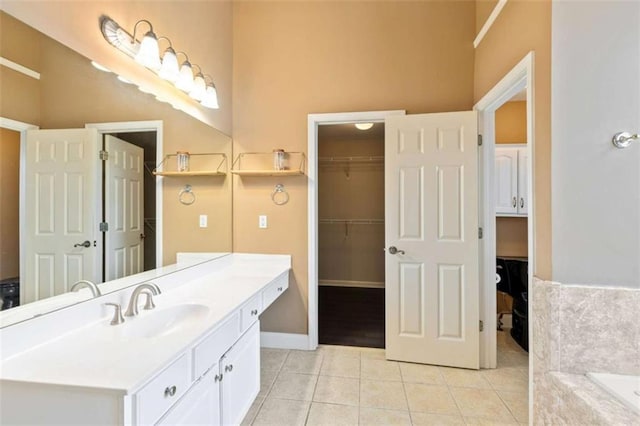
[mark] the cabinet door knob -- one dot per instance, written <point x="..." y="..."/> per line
<point x="254" y="312"/>
<point x="279" y="288"/>
<point x="170" y="391"/>
<point x="521" y="202"/>
<point x="514" y="202"/>
<point x="218" y="377"/>
<point x="228" y="368"/>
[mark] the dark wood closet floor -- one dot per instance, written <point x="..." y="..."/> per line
<point x="351" y="316"/>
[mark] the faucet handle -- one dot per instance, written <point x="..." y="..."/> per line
<point x="149" y="302"/>
<point x="117" y="316"/>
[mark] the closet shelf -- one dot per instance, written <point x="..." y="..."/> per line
<point x="262" y="164"/>
<point x="360" y="159"/>
<point x="201" y="164"/>
<point x="353" y="221"/>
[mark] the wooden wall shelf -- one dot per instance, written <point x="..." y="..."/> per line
<point x="200" y="164"/>
<point x="260" y="164"/>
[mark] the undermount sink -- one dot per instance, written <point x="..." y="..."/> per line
<point x="162" y="322"/>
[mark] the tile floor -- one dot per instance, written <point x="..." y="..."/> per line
<point x="338" y="385"/>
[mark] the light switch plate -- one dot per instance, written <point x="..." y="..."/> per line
<point x="203" y="221"/>
<point x="262" y="221"/>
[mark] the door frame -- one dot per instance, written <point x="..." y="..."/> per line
<point x="315" y="120"/>
<point x="21" y="127"/>
<point x="142" y="126"/>
<point x="519" y="78"/>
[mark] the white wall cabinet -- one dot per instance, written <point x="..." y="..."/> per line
<point x="511" y="180"/>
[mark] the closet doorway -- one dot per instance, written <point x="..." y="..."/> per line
<point x="351" y="235"/>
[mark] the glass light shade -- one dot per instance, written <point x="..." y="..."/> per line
<point x="199" y="88"/>
<point x="169" y="69"/>
<point x="210" y="98"/>
<point x="185" y="78"/>
<point x="364" y="126"/>
<point x="149" y="52"/>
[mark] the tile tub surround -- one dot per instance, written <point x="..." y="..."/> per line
<point x="576" y="330"/>
<point x="338" y="385"/>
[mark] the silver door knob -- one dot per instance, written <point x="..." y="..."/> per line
<point x="394" y="250"/>
<point x="86" y="244"/>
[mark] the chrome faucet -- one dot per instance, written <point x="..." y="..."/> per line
<point x="150" y="289"/>
<point x="85" y="283"/>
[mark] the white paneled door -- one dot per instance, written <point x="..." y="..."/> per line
<point x="124" y="208"/>
<point x="61" y="173"/>
<point x="431" y="233"/>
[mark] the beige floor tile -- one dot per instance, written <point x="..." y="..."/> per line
<point x="267" y="377"/>
<point x="381" y="394"/>
<point x="512" y="359"/>
<point x="340" y="366"/>
<point x="350" y="351"/>
<point x="376" y="369"/>
<point x="508" y="378"/>
<point x="372" y="353"/>
<point x="518" y="403"/>
<point x="331" y="414"/>
<point x="479" y="421"/>
<point x="461" y="377"/>
<point x="483" y="403"/>
<point x="282" y="412"/>
<point x="376" y="416"/>
<point x="294" y="386"/>
<point x="253" y="411"/>
<point x="337" y="390"/>
<point x="428" y="419"/>
<point x="306" y="362"/>
<point x="420" y="373"/>
<point x="434" y="399"/>
<point x="272" y="359"/>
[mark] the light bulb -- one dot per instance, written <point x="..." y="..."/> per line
<point x="199" y="88"/>
<point x="364" y="126"/>
<point x="210" y="98"/>
<point x="149" y="52"/>
<point x="169" y="69"/>
<point x="185" y="78"/>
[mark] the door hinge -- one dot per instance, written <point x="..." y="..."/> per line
<point x="104" y="226"/>
<point x="480" y="233"/>
<point x="481" y="325"/>
<point x="104" y="155"/>
<point x="479" y="140"/>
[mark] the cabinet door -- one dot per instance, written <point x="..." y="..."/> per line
<point x="199" y="406"/>
<point x="523" y="181"/>
<point x="241" y="382"/>
<point x="506" y="181"/>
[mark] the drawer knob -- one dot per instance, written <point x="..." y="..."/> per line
<point x="218" y="377"/>
<point x="170" y="391"/>
<point x="279" y="288"/>
<point x="228" y="368"/>
<point x="254" y="312"/>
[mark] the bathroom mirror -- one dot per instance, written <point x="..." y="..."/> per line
<point x="70" y="93"/>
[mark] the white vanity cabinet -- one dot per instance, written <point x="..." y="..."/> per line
<point x="511" y="180"/>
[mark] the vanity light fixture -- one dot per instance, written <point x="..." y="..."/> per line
<point x="364" y="126"/>
<point x="147" y="53"/>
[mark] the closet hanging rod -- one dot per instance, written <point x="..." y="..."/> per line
<point x="353" y="221"/>
<point x="361" y="159"/>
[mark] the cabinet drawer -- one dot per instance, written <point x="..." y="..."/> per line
<point x="210" y="349"/>
<point x="250" y="311"/>
<point x="274" y="290"/>
<point x="157" y="396"/>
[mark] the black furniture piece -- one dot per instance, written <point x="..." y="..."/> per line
<point x="10" y="293"/>
<point x="515" y="275"/>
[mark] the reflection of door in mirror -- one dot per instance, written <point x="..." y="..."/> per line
<point x="64" y="207"/>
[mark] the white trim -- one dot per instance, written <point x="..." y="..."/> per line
<point x="143" y="126"/>
<point x="21" y="127"/>
<point x="19" y="68"/>
<point x="489" y="22"/>
<point x="520" y="77"/>
<point x="284" y="340"/>
<point x="313" y="121"/>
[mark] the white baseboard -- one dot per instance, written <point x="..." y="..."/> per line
<point x="284" y="340"/>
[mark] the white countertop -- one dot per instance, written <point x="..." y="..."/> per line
<point x="97" y="355"/>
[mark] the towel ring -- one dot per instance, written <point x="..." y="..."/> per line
<point x="186" y="195"/>
<point x="280" y="195"/>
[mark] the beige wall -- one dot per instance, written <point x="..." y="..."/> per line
<point x="351" y="191"/>
<point x="483" y="10"/>
<point x="511" y="123"/>
<point x="524" y="26"/>
<point x="9" y="203"/>
<point x="200" y="28"/>
<point x="72" y="93"/>
<point x="295" y="58"/>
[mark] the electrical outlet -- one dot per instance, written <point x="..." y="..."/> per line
<point x="203" y="221"/>
<point x="262" y="221"/>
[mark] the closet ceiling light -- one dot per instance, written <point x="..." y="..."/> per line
<point x="364" y="126"/>
<point x="147" y="53"/>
